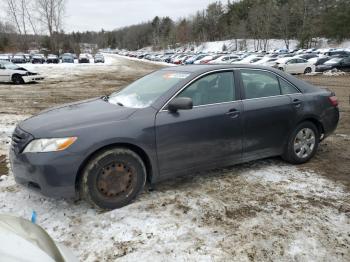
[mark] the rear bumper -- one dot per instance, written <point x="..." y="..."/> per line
<point x="330" y="120"/>
<point x="51" y="174"/>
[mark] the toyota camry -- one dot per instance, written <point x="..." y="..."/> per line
<point x="172" y="122"/>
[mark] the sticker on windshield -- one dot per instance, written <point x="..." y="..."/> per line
<point x="175" y="75"/>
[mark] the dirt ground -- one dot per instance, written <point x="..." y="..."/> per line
<point x="261" y="211"/>
<point x="333" y="157"/>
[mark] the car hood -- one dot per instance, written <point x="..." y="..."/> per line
<point x="69" y="118"/>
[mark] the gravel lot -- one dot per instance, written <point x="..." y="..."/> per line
<point x="261" y="211"/>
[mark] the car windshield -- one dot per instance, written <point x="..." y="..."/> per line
<point x="143" y="92"/>
<point x="333" y="61"/>
<point x="9" y="65"/>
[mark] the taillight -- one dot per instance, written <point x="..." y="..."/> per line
<point x="333" y="100"/>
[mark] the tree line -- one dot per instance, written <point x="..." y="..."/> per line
<point x="304" y="20"/>
<point x="261" y="20"/>
<point x="28" y="21"/>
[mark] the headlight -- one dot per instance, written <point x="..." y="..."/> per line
<point x="49" y="145"/>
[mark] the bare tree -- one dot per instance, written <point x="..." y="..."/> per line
<point x="13" y="10"/>
<point x="20" y="16"/>
<point x="51" y="13"/>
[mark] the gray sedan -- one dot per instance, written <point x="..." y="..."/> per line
<point x="172" y="122"/>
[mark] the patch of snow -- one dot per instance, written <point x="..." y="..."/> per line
<point x="334" y="72"/>
<point x="7" y="125"/>
<point x="142" y="60"/>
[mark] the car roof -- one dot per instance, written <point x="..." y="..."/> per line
<point x="210" y="67"/>
<point x="196" y="70"/>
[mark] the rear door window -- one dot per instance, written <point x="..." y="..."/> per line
<point x="257" y="84"/>
<point x="287" y="88"/>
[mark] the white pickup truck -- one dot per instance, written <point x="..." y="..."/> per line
<point x="12" y="73"/>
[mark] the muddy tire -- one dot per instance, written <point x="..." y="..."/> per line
<point x="113" y="179"/>
<point x="302" y="144"/>
<point x="17" y="80"/>
<point x="308" y="70"/>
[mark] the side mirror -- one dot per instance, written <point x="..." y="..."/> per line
<point x="180" y="103"/>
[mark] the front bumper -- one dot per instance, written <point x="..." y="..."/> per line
<point x="51" y="174"/>
<point x="32" y="78"/>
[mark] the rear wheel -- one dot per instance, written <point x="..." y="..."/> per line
<point x="113" y="178"/>
<point x="17" y="80"/>
<point x="281" y="68"/>
<point x="308" y="70"/>
<point x="302" y="144"/>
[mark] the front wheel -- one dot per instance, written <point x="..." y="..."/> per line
<point x="308" y="70"/>
<point x="302" y="144"/>
<point x="113" y="178"/>
<point x="17" y="80"/>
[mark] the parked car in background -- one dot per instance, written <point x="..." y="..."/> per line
<point x="12" y="73"/>
<point x="248" y="59"/>
<point x="5" y="57"/>
<point x="319" y="60"/>
<point x="294" y="65"/>
<point x="99" y="58"/>
<point x="339" y="63"/>
<point x="172" y="122"/>
<point x="337" y="52"/>
<point x="206" y="59"/>
<point x="195" y="58"/>
<point x="266" y="61"/>
<point x="84" y="59"/>
<point x="67" y="58"/>
<point x="28" y="57"/>
<point x="224" y="59"/>
<point x="19" y="59"/>
<point x="52" y="59"/>
<point x="179" y="59"/>
<point x="38" y="59"/>
<point x="307" y="56"/>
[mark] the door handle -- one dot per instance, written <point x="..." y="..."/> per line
<point x="296" y="102"/>
<point x="233" y="113"/>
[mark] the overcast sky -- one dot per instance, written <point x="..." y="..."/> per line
<point x="90" y="15"/>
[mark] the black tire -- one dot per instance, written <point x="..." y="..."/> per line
<point x="281" y="68"/>
<point x="113" y="170"/>
<point x="290" y="154"/>
<point x="17" y="80"/>
<point x="308" y="70"/>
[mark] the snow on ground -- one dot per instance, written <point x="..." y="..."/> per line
<point x="217" y="46"/>
<point x="143" y="60"/>
<point x="7" y="125"/>
<point x="261" y="211"/>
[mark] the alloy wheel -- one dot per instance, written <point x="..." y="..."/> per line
<point x="304" y="143"/>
